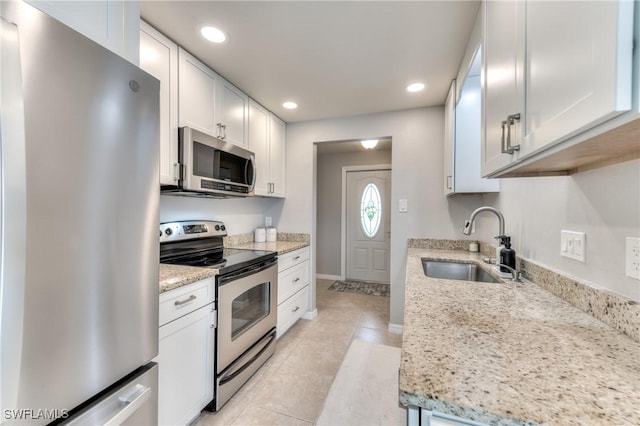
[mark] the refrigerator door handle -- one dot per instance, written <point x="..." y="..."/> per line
<point x="130" y="402"/>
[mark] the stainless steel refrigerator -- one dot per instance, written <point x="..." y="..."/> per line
<point x="79" y="200"/>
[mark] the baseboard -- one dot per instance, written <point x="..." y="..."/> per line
<point x="327" y="277"/>
<point x="395" y="328"/>
<point x="309" y="315"/>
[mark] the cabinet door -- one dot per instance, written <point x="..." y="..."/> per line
<point x="159" y="57"/>
<point x="578" y="68"/>
<point x="113" y="24"/>
<point x="449" y="138"/>
<point x="502" y="79"/>
<point x="277" y="156"/>
<point x="232" y="113"/>
<point x="185" y="359"/>
<point x="259" y="145"/>
<point x="196" y="94"/>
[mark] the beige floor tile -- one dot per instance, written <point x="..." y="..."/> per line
<point x="382" y="337"/>
<point x="332" y="315"/>
<point x="329" y="333"/>
<point x="309" y="355"/>
<point x="256" y="416"/>
<point x="295" y="392"/>
<point x="374" y="319"/>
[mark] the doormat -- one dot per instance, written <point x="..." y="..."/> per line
<point x="361" y="287"/>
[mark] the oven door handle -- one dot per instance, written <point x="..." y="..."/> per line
<point x="223" y="279"/>
<point x="232" y="374"/>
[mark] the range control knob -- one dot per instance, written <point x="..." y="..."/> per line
<point x="217" y="227"/>
<point x="168" y="231"/>
<point x="223" y="228"/>
<point x="161" y="232"/>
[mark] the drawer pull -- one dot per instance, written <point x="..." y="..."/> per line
<point x="187" y="300"/>
<point x="295" y="309"/>
<point x="296" y="258"/>
<point x="296" y="280"/>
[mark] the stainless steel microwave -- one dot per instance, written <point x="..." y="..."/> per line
<point x="212" y="167"/>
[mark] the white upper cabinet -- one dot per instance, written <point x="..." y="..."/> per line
<point x="209" y="103"/>
<point x="553" y="71"/>
<point x="159" y="57"/>
<point x="267" y="142"/>
<point x="197" y="94"/>
<point x="463" y="125"/>
<point x="503" y="86"/>
<point x="277" y="136"/>
<point x="233" y="111"/>
<point x="112" y="23"/>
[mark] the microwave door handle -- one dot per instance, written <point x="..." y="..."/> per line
<point x="246" y="172"/>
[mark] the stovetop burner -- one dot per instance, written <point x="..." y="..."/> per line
<point x="200" y="244"/>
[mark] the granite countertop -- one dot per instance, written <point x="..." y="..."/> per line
<point x="280" y="247"/>
<point x="174" y="276"/>
<point x="511" y="353"/>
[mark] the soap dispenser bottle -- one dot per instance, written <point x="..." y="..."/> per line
<point x="507" y="255"/>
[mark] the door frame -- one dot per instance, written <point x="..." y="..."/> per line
<point x="343" y="221"/>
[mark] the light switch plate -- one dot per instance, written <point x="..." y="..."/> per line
<point x="402" y="206"/>
<point x="632" y="258"/>
<point x="573" y="245"/>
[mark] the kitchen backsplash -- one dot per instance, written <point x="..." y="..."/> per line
<point x="612" y="309"/>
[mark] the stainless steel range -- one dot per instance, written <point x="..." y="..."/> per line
<point x="246" y="295"/>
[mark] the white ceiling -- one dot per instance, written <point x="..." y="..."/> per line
<point x="341" y="147"/>
<point x="332" y="58"/>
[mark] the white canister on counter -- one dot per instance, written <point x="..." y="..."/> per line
<point x="272" y="234"/>
<point x="260" y="235"/>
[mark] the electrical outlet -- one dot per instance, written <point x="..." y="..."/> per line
<point x="573" y="245"/>
<point x="267" y="221"/>
<point x="632" y="263"/>
<point x="402" y="206"/>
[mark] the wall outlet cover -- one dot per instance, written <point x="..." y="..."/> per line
<point x="573" y="245"/>
<point x="632" y="258"/>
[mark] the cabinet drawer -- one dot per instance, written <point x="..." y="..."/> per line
<point x="291" y="310"/>
<point x="181" y="301"/>
<point x="293" y="258"/>
<point x="292" y="280"/>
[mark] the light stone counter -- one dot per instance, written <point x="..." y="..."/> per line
<point x="511" y="353"/>
<point x="174" y="276"/>
<point x="280" y="247"/>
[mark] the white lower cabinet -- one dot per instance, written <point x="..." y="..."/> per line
<point x="293" y="288"/>
<point x="186" y="352"/>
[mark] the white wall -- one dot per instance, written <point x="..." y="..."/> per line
<point x="240" y="215"/>
<point x="417" y="168"/>
<point x="329" y="203"/>
<point x="604" y="203"/>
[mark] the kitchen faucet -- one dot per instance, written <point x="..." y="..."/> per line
<point x="468" y="225"/>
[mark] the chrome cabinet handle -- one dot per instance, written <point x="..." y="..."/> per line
<point x="219" y="130"/>
<point x="296" y="280"/>
<point x="511" y="120"/>
<point x="448" y="182"/>
<point x="296" y="258"/>
<point x="224" y="131"/>
<point x="187" y="300"/>
<point x="176" y="172"/>
<point x="296" y="309"/>
<point x="503" y="125"/>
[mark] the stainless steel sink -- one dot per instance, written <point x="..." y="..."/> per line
<point x="456" y="271"/>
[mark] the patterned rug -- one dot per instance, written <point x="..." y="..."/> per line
<point x="361" y="287"/>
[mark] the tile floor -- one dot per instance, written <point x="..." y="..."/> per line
<point x="290" y="389"/>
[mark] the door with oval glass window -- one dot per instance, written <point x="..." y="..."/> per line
<point x="368" y="225"/>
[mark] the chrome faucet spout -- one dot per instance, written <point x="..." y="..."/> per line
<point x="468" y="225"/>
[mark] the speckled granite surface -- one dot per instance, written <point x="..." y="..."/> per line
<point x="511" y="353"/>
<point x="242" y="239"/>
<point x="174" y="276"/>
<point x="279" y="247"/>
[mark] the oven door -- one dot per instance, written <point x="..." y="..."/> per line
<point x="247" y="310"/>
<point x="212" y="165"/>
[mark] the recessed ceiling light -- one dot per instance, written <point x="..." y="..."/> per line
<point x="369" y="143"/>
<point x="213" y="34"/>
<point x="290" y="105"/>
<point x="415" y="87"/>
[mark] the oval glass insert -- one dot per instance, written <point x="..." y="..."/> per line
<point x="370" y="210"/>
